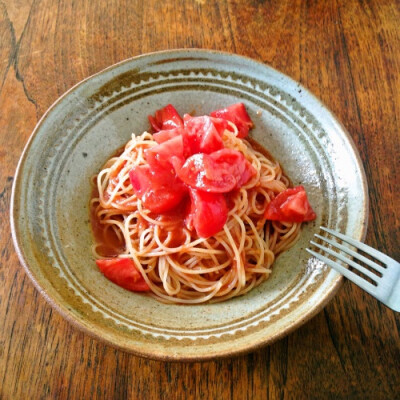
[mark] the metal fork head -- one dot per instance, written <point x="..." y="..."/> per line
<point x="384" y="278"/>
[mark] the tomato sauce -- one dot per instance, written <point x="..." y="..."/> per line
<point x="108" y="243"/>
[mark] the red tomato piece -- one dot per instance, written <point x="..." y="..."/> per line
<point x="123" y="272"/>
<point x="200" y="171"/>
<point x="140" y="179"/>
<point x="177" y="163"/>
<point x="219" y="123"/>
<point x="219" y="172"/>
<point x="159" y="188"/>
<point x="235" y="162"/>
<point x="186" y="117"/>
<point x="290" y="205"/>
<point x="237" y="114"/>
<point x="160" y="155"/>
<point x="165" y="118"/>
<point x="208" y="212"/>
<point x="163" y="136"/>
<point x="201" y="136"/>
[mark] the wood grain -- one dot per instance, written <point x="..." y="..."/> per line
<point x="346" y="52"/>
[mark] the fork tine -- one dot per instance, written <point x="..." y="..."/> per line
<point x="354" y="254"/>
<point x="368" y="287"/>
<point x="361" y="246"/>
<point x="360" y="268"/>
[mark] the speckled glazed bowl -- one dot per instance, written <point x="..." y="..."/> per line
<point x="50" y="221"/>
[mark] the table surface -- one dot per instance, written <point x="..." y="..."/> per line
<point x="346" y="52"/>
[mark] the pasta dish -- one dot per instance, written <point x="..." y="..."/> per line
<point x="195" y="211"/>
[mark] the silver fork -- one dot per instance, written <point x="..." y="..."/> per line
<point x="386" y="277"/>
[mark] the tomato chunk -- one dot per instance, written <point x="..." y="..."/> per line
<point x="201" y="136"/>
<point x="164" y="135"/>
<point x="208" y="212"/>
<point x="290" y="205"/>
<point x="237" y="114"/>
<point x="200" y="171"/>
<point x="123" y="272"/>
<point x="220" y="124"/>
<point x="159" y="188"/>
<point x="219" y="172"/>
<point x="165" y="118"/>
<point x="160" y="155"/>
<point x="235" y="162"/>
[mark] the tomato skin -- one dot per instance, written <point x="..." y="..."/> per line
<point x="237" y="114"/>
<point x="165" y="118"/>
<point x="160" y="155"/>
<point x="123" y="272"/>
<point x="159" y="188"/>
<point x="156" y="184"/>
<point x="291" y="205"/>
<point x="236" y="163"/>
<point x="201" y="172"/>
<point x="164" y="135"/>
<point x="220" y="124"/>
<point x="208" y="213"/>
<point x="200" y="136"/>
<point x="218" y="172"/>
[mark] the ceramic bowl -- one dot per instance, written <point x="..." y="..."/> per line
<point x="50" y="216"/>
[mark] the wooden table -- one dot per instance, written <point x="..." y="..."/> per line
<point x="346" y="52"/>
